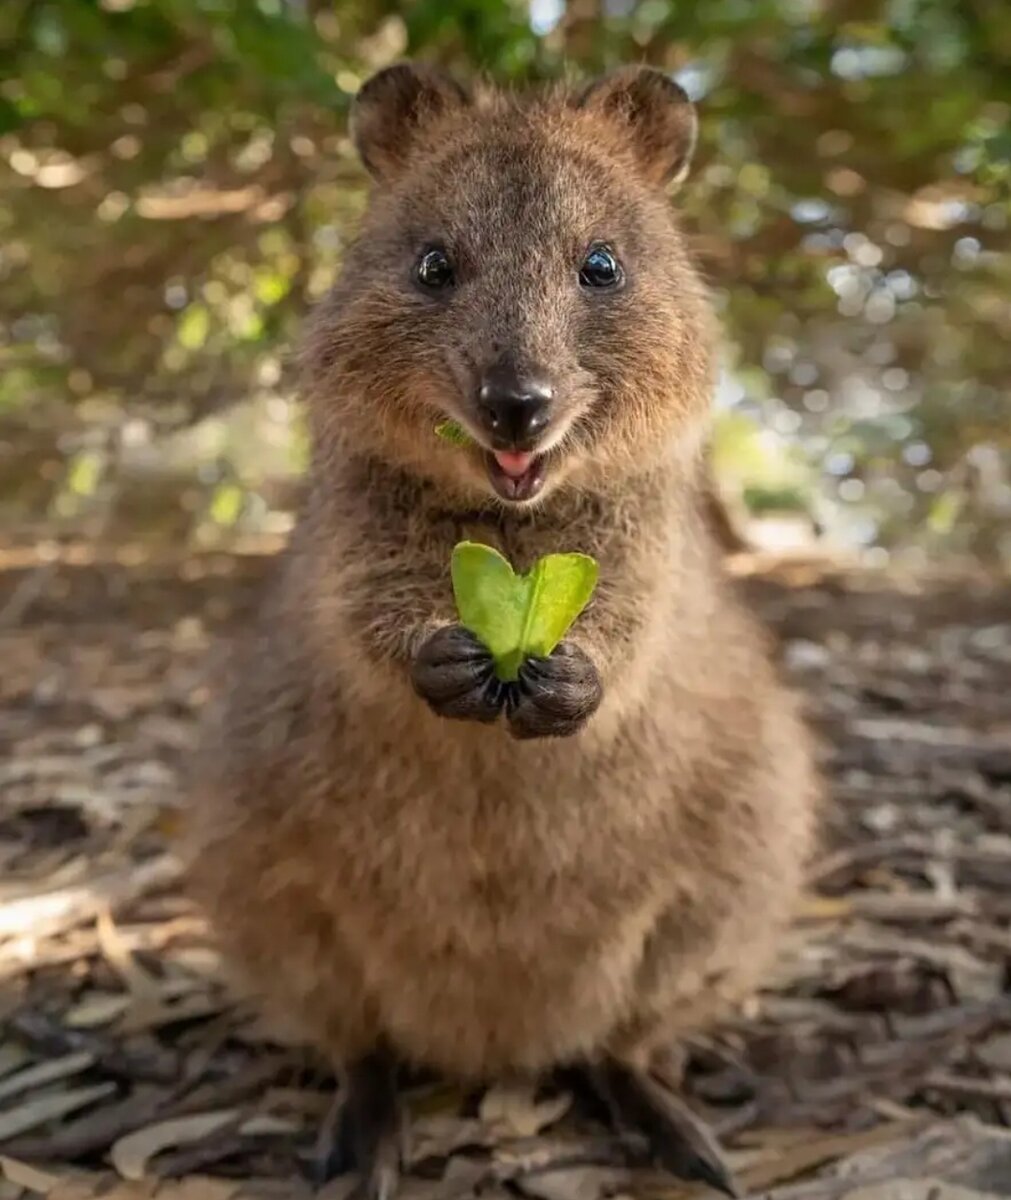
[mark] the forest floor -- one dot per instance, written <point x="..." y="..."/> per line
<point x="876" y="1067"/>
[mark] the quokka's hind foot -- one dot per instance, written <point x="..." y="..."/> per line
<point x="367" y="1134"/>
<point x="637" y="1102"/>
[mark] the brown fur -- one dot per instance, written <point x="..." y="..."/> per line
<point x="482" y="904"/>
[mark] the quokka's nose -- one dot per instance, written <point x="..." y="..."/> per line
<point x="514" y="406"/>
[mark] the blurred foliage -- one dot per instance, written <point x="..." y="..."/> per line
<point x="176" y="185"/>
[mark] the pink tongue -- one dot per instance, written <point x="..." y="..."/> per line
<point x="514" y="462"/>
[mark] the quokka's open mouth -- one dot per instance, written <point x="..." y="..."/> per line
<point x="516" y="475"/>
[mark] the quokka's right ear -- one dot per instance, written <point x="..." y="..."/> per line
<point x="393" y="106"/>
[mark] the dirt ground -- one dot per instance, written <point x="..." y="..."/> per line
<point x="876" y="1067"/>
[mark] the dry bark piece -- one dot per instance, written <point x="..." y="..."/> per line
<point x="50" y="1071"/>
<point x="49" y="1107"/>
<point x="97" y="1009"/>
<point x="515" y="1110"/>
<point x="25" y="1175"/>
<point x="785" y="1164"/>
<point x="132" y="1153"/>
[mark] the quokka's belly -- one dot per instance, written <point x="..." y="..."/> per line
<point x="479" y="957"/>
<point x="496" y="907"/>
<point x="478" y="995"/>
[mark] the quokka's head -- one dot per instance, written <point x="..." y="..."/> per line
<point x="519" y="271"/>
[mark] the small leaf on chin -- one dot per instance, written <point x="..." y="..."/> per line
<point x="453" y="432"/>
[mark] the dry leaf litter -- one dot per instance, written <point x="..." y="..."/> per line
<point x="877" y="1066"/>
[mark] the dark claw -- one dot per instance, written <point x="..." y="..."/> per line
<point x="676" y="1138"/>
<point x="455" y="674"/>
<point x="554" y="696"/>
<point x="367" y="1133"/>
<point x="334" y="1153"/>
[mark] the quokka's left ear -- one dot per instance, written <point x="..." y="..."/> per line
<point x="655" y="114"/>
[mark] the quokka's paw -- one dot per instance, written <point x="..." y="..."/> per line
<point x="455" y="675"/>
<point x="554" y="696"/>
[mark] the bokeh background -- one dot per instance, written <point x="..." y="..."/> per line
<point x="177" y="186"/>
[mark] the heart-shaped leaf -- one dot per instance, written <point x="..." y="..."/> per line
<point x="519" y="616"/>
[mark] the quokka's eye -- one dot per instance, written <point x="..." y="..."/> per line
<point x="600" y="268"/>
<point x="433" y="270"/>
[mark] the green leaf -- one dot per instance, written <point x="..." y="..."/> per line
<point x="519" y="616"/>
<point x="452" y="432"/>
<point x="194" y="325"/>
<point x="562" y="587"/>
<point x="491" y="598"/>
<point x="226" y="504"/>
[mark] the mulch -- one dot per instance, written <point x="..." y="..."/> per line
<point x="877" y="1066"/>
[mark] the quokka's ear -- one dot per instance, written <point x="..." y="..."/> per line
<point x="655" y="114"/>
<point x="393" y="106"/>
